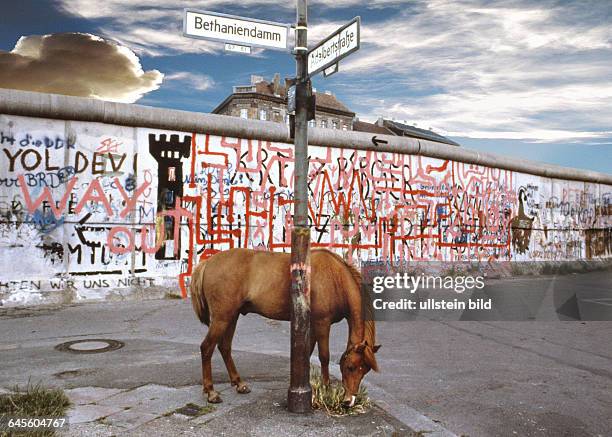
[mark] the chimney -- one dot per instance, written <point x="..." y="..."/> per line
<point x="276" y="84"/>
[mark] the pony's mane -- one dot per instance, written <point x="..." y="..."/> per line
<point x="355" y="273"/>
<point x="370" y="327"/>
<point x="370" y="332"/>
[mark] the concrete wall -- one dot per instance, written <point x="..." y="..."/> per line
<point x="93" y="210"/>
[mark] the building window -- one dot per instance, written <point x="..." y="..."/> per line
<point x="335" y="124"/>
<point x="263" y="115"/>
<point x="244" y="113"/>
<point x="324" y="123"/>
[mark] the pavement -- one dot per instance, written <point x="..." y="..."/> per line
<point x="481" y="378"/>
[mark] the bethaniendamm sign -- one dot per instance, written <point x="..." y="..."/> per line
<point x="338" y="45"/>
<point x="232" y="29"/>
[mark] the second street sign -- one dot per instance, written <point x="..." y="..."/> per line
<point x="233" y="29"/>
<point x="340" y="44"/>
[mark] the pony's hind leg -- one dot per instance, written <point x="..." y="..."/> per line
<point x="225" y="347"/>
<point x="215" y="331"/>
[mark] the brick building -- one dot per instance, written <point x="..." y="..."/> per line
<point x="262" y="100"/>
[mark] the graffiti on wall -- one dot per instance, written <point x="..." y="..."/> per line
<point x="89" y="205"/>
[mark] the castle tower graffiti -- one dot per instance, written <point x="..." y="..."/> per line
<point x="168" y="154"/>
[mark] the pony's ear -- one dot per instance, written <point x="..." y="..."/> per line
<point x="370" y="359"/>
<point x="376" y="347"/>
<point x="360" y="347"/>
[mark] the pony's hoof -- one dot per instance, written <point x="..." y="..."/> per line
<point x="214" y="397"/>
<point x="243" y="389"/>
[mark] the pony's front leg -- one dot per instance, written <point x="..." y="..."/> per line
<point x="217" y="328"/>
<point x="321" y="332"/>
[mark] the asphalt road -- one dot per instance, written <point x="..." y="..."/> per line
<point x="480" y="378"/>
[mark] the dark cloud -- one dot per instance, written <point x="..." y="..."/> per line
<point x="76" y="64"/>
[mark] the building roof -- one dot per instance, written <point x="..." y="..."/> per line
<point x="325" y="101"/>
<point x="405" y="130"/>
<point x="373" y="128"/>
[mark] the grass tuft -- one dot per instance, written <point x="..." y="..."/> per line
<point x="453" y="271"/>
<point x="516" y="269"/>
<point x="172" y="296"/>
<point x="329" y="397"/>
<point x="193" y="410"/>
<point x="35" y="401"/>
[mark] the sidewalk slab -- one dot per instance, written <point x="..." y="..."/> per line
<point x="148" y="410"/>
<point x="89" y="395"/>
<point x="90" y="413"/>
<point x="266" y="415"/>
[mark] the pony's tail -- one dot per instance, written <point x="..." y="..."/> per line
<point x="198" y="300"/>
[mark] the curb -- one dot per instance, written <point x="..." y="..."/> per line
<point x="409" y="416"/>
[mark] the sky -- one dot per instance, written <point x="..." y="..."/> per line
<point x="525" y="78"/>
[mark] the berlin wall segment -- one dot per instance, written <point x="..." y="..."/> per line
<point x="93" y="207"/>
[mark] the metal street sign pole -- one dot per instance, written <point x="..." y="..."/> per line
<point x="299" y="397"/>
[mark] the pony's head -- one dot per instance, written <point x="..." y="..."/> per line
<point x="356" y="361"/>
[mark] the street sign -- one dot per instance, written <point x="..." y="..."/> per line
<point x="233" y="29"/>
<point x="338" y="45"/>
<point x="331" y="70"/>
<point x="237" y="48"/>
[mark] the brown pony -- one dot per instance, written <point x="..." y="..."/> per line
<point x="241" y="281"/>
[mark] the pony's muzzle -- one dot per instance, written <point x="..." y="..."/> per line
<point x="348" y="402"/>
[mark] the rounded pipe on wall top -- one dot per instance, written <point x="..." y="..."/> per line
<point x="53" y="106"/>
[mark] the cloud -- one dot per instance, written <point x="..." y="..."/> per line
<point x="76" y="64"/>
<point x="149" y="27"/>
<point x="201" y="82"/>
<point x="94" y="9"/>
<point x="159" y="41"/>
<point x="516" y="70"/>
<point x="513" y="69"/>
<point x="154" y="27"/>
